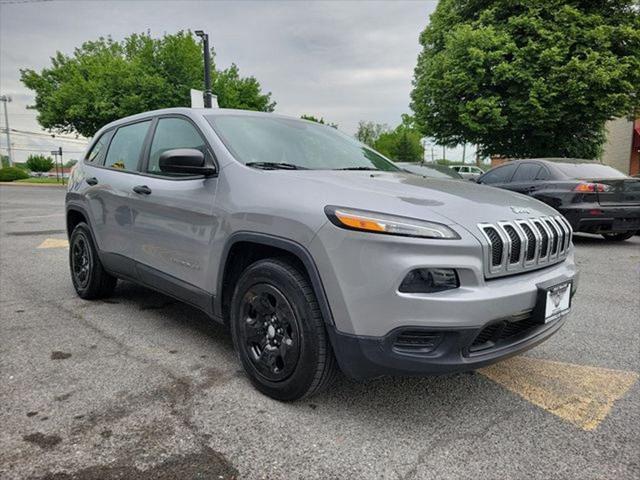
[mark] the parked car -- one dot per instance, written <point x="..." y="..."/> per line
<point x="430" y="170"/>
<point x="593" y="197"/>
<point x="315" y="250"/>
<point x="468" y="172"/>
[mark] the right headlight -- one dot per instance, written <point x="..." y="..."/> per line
<point x="366" y="221"/>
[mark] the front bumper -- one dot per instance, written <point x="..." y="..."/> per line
<point x="362" y="357"/>
<point x="603" y="219"/>
<point x="361" y="276"/>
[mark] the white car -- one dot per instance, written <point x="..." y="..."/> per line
<point x="468" y="172"/>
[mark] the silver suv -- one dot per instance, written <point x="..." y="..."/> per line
<point x="315" y="250"/>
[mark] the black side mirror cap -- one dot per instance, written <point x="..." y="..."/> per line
<point x="189" y="161"/>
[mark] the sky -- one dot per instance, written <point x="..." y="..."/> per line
<point x="345" y="61"/>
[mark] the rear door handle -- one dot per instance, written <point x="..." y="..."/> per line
<point x="92" y="181"/>
<point x="142" y="189"/>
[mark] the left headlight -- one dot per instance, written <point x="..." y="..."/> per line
<point x="374" y="222"/>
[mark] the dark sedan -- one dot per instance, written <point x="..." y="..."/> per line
<point x="594" y="198"/>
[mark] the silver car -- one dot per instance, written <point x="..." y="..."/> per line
<point x="317" y="252"/>
<point x="468" y="172"/>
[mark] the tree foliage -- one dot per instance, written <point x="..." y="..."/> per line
<point x="9" y="174"/>
<point x="369" y="132"/>
<point x="403" y="144"/>
<point x="105" y="80"/>
<point x="39" y="163"/>
<point x="527" y="77"/>
<point x="320" y="120"/>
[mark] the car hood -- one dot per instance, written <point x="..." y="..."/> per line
<point x="405" y="194"/>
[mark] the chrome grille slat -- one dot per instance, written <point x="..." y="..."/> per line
<point x="525" y="244"/>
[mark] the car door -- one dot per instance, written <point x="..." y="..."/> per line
<point x="173" y="216"/>
<point x="524" y="178"/>
<point x="111" y="177"/>
<point x="499" y="176"/>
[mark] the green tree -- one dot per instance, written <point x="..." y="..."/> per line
<point x="403" y="144"/>
<point x="39" y="163"/>
<point x="369" y="132"/>
<point x="320" y="120"/>
<point x="527" y="77"/>
<point x="105" y="80"/>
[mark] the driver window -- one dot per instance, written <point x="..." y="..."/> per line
<point x="172" y="133"/>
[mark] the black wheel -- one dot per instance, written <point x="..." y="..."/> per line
<point x="278" y="331"/>
<point x="618" y="237"/>
<point x="87" y="273"/>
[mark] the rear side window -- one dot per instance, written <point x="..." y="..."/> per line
<point x="501" y="174"/>
<point x="589" y="170"/>
<point x="126" y="146"/>
<point x="527" y="172"/>
<point x="96" y="154"/>
<point x="173" y="133"/>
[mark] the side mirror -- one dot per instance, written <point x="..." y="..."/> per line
<point x="186" y="161"/>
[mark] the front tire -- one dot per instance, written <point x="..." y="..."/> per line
<point x="279" y="333"/>
<point x="619" y="237"/>
<point x="89" y="277"/>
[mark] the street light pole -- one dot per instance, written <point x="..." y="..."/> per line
<point x="6" y="99"/>
<point x="207" y="67"/>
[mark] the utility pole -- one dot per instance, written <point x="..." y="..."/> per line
<point x="61" y="164"/>
<point x="6" y="99"/>
<point x="207" y="67"/>
<point x="444" y="153"/>
<point x="55" y="162"/>
<point x="464" y="151"/>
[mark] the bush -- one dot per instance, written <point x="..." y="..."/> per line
<point x="39" y="163"/>
<point x="9" y="174"/>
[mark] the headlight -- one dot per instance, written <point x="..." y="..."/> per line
<point x="390" y="224"/>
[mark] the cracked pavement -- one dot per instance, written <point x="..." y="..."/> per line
<point x="142" y="386"/>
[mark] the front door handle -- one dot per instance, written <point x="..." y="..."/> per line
<point x="142" y="189"/>
<point x="532" y="189"/>
<point x="92" y="181"/>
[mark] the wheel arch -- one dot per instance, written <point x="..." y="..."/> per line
<point x="245" y="248"/>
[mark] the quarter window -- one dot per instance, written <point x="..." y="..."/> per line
<point x="96" y="154"/>
<point x="126" y="146"/>
<point x="173" y="133"/>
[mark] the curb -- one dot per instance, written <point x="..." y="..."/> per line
<point x="39" y="185"/>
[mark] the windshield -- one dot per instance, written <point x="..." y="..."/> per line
<point x="273" y="142"/>
<point x="589" y="170"/>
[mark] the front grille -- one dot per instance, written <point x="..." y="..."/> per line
<point x="521" y="245"/>
<point x="503" y="332"/>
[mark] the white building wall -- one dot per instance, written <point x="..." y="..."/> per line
<point x="617" y="150"/>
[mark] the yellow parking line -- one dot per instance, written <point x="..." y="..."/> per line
<point x="579" y="394"/>
<point x="54" y="243"/>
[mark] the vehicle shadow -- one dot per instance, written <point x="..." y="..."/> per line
<point x="599" y="241"/>
<point x="391" y="396"/>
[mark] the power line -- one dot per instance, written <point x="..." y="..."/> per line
<point x="49" y="135"/>
<point x="41" y="150"/>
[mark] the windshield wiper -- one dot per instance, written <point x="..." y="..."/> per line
<point x="357" y="168"/>
<point x="275" y="166"/>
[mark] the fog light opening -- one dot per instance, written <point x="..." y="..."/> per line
<point x="429" y="280"/>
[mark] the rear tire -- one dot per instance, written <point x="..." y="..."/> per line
<point x="279" y="333"/>
<point x="618" y="237"/>
<point x="89" y="277"/>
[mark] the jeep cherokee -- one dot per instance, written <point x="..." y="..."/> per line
<point x="316" y="251"/>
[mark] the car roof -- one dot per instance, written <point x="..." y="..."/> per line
<point x="191" y="112"/>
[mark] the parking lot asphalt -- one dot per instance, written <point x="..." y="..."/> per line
<point x="142" y="386"/>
